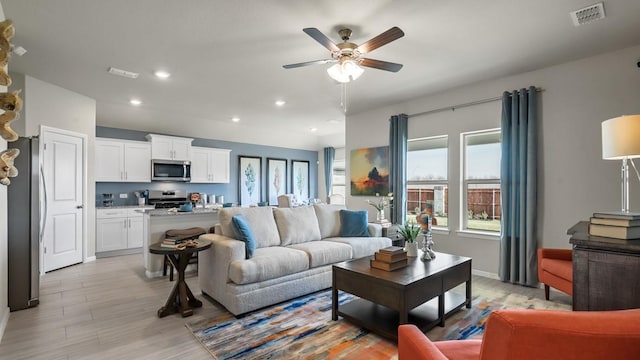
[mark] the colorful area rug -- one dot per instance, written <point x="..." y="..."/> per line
<point x="303" y="329"/>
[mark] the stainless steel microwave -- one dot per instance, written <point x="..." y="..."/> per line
<point x="170" y="170"/>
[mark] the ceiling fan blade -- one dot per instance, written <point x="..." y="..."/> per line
<point x="321" y="38"/>
<point x="386" y="37"/>
<point x="382" y="65"/>
<point x="307" y="63"/>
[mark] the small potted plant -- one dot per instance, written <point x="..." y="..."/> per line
<point x="410" y="231"/>
<point x="380" y="204"/>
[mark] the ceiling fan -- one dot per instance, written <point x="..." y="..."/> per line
<point x="346" y="55"/>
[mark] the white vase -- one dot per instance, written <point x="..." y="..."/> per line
<point x="380" y="216"/>
<point x="411" y="248"/>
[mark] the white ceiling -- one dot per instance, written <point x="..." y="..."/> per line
<point x="226" y="57"/>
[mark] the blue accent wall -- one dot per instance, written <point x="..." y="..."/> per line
<point x="230" y="190"/>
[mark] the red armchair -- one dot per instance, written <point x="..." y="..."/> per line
<point x="535" y="334"/>
<point x="555" y="269"/>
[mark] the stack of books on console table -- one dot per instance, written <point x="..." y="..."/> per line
<point x="390" y="258"/>
<point x="617" y="225"/>
<point x="172" y="243"/>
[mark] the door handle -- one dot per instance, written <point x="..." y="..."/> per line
<point x="46" y="203"/>
<point x="79" y="206"/>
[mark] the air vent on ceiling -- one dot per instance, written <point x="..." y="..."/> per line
<point x="123" y="73"/>
<point x="588" y="14"/>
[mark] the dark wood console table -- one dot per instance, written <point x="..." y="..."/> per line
<point x="606" y="271"/>
<point x="181" y="299"/>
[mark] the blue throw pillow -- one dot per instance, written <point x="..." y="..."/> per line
<point x="243" y="232"/>
<point x="354" y="223"/>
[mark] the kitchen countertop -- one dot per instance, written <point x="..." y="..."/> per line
<point x="150" y="207"/>
<point x="166" y="212"/>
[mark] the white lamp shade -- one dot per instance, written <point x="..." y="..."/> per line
<point x="335" y="72"/>
<point x="621" y="137"/>
<point x="352" y="69"/>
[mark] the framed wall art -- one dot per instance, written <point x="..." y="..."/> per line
<point x="300" y="179"/>
<point x="276" y="179"/>
<point x="249" y="186"/>
<point x="369" y="171"/>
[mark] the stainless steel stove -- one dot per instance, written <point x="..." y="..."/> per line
<point x="164" y="199"/>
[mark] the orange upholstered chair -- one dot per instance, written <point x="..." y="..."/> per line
<point x="555" y="269"/>
<point x="535" y="334"/>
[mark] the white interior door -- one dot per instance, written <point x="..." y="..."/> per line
<point x="63" y="179"/>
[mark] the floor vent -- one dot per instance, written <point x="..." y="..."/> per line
<point x="588" y="14"/>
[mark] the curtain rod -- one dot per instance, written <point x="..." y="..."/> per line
<point x="472" y="103"/>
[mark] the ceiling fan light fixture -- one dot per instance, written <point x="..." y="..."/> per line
<point x="345" y="71"/>
<point x="352" y="69"/>
<point x="335" y="72"/>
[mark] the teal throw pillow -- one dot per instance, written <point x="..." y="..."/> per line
<point x="243" y="232"/>
<point x="354" y="223"/>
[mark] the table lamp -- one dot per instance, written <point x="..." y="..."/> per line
<point x="621" y="141"/>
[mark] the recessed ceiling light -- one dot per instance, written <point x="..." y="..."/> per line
<point x="135" y="102"/>
<point x="280" y="102"/>
<point x="161" y="74"/>
<point x="313" y="129"/>
<point x="235" y="119"/>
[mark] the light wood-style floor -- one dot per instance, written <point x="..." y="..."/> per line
<point x="107" y="310"/>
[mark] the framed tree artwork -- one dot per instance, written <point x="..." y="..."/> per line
<point x="276" y="179"/>
<point x="249" y="184"/>
<point x="370" y="171"/>
<point x="300" y="179"/>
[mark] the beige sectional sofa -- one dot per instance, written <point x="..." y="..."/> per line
<point x="295" y="250"/>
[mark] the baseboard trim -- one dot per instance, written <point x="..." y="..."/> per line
<point x="4" y="321"/>
<point x="90" y="259"/>
<point x="485" y="274"/>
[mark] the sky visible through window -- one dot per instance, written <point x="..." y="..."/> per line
<point x="427" y="165"/>
<point x="483" y="161"/>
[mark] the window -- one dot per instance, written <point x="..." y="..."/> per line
<point x="338" y="179"/>
<point x="481" y="180"/>
<point x="427" y="177"/>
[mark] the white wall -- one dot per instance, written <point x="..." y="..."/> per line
<point x="50" y="105"/>
<point x="574" y="181"/>
<point x="4" y="268"/>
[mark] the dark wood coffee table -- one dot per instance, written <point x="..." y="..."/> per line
<point x="417" y="294"/>
<point x="181" y="300"/>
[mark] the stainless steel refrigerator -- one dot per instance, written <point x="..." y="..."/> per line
<point x="24" y="230"/>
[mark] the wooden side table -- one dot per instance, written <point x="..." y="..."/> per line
<point x="181" y="298"/>
<point x="392" y="233"/>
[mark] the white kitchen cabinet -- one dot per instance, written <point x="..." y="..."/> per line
<point x="122" y="161"/>
<point x="118" y="229"/>
<point x="170" y="147"/>
<point x="209" y="165"/>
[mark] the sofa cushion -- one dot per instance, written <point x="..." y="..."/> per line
<point x="328" y="219"/>
<point x="324" y="252"/>
<point x="268" y="263"/>
<point x="363" y="246"/>
<point x="353" y="223"/>
<point x="260" y="219"/>
<point x="243" y="233"/>
<point x="297" y="225"/>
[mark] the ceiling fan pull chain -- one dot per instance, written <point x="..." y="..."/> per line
<point x="343" y="98"/>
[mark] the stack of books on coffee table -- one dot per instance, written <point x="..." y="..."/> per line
<point x="390" y="258"/>
<point x="617" y="225"/>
